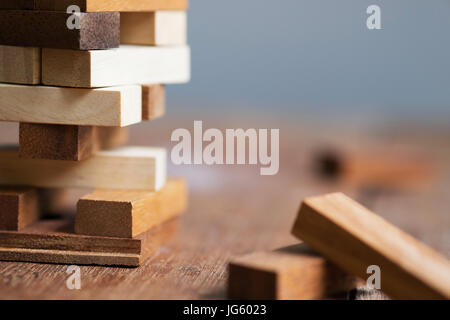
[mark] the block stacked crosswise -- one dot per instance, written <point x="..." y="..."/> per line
<point x="76" y="74"/>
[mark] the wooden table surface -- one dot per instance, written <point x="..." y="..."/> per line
<point x="233" y="210"/>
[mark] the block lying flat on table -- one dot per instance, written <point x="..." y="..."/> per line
<point x="127" y="213"/>
<point x="158" y="28"/>
<point x="99" y="30"/>
<point x="294" y="272"/>
<point x="140" y="168"/>
<point x="153" y="101"/>
<point x="20" y="65"/>
<point x="118" y="106"/>
<point x="19" y="206"/>
<point x="125" y="65"/>
<point x="354" y="238"/>
<point x="53" y="241"/>
<point x="112" y="5"/>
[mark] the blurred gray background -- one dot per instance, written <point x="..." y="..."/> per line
<point x="318" y="55"/>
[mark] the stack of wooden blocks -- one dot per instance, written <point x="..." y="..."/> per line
<point x="75" y="81"/>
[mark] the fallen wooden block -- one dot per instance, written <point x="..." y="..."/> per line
<point x="160" y="28"/>
<point x="62" y="142"/>
<point x="153" y="101"/>
<point x="53" y="241"/>
<point x="19" y="206"/>
<point x="125" y="213"/>
<point x="118" y="106"/>
<point x="354" y="238"/>
<point x="20" y="65"/>
<point x="121" y="168"/>
<point x="291" y="273"/>
<point x="125" y="65"/>
<point x="108" y="5"/>
<point x="99" y="30"/>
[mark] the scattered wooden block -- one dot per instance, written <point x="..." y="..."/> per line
<point x="20" y="65"/>
<point x="19" y="206"/>
<point x="53" y="241"/>
<point x="99" y="30"/>
<point x="354" y="238"/>
<point x="118" y="106"/>
<point x="153" y="101"/>
<point x="291" y="273"/>
<point x="62" y="142"/>
<point x="108" y="5"/>
<point x="127" y="213"/>
<point x="121" y="168"/>
<point x="125" y="65"/>
<point x="160" y="28"/>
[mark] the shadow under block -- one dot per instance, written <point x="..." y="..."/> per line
<point x="53" y="241"/>
<point x="128" y="213"/>
<point x="20" y="65"/>
<point x="19" y="206"/>
<point x="112" y="5"/>
<point x="99" y="30"/>
<point x="118" y="106"/>
<point x="153" y="101"/>
<point x="160" y="28"/>
<point x="291" y="273"/>
<point x="354" y="238"/>
<point x="140" y="168"/>
<point x="115" y="67"/>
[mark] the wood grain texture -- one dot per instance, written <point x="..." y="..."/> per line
<point x="294" y="272"/>
<point x="125" y="213"/>
<point x="19" y="206"/>
<point x="153" y="101"/>
<point x="118" y="106"/>
<point x="122" y="66"/>
<point x="62" y="142"/>
<point x="99" y="30"/>
<point x="53" y="241"/>
<point x="112" y="5"/>
<point x="160" y="28"/>
<point x="354" y="238"/>
<point x="121" y="168"/>
<point x="20" y="65"/>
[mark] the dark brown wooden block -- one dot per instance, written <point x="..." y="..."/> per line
<point x="98" y="30"/>
<point x="19" y="206"/>
<point x="17" y="4"/>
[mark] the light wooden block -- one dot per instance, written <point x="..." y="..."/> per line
<point x="121" y="168"/>
<point x="20" y="65"/>
<point x="291" y="273"/>
<point x="19" y="206"/>
<point x="115" y="67"/>
<point x="128" y="213"/>
<point x="118" y="106"/>
<point x="160" y="28"/>
<point x="110" y="5"/>
<point x="354" y="238"/>
<point x="153" y="101"/>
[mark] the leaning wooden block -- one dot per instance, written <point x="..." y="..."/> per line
<point x="99" y="30"/>
<point x="125" y="65"/>
<point x="118" y="106"/>
<point x="127" y="213"/>
<point x="354" y="238"/>
<point x="295" y="272"/>
<point x="109" y="5"/>
<point x="153" y="101"/>
<point x="20" y="65"/>
<point x="160" y="28"/>
<point x="121" y="168"/>
<point x="19" y="206"/>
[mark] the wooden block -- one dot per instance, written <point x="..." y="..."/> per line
<point x="153" y="101"/>
<point x="17" y="4"/>
<point x="62" y="142"/>
<point x="112" y="5"/>
<point x="291" y="273"/>
<point x="122" y="66"/>
<point x="19" y="206"/>
<point x="126" y="213"/>
<point x="20" y="65"/>
<point x="160" y="28"/>
<point x="53" y="241"/>
<point x="118" y="106"/>
<point x="99" y="30"/>
<point x="354" y="238"/>
<point x="121" y="168"/>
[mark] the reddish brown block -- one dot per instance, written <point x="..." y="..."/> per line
<point x="19" y="206"/>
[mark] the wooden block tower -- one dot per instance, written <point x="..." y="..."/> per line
<point x="75" y="74"/>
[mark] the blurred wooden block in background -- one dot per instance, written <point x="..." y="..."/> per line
<point x="354" y="238"/>
<point x="160" y="28"/>
<point x="115" y="67"/>
<point x="19" y="206"/>
<point x="140" y="168"/>
<point x="294" y="272"/>
<point x="153" y="101"/>
<point x="118" y="106"/>
<point x="20" y="65"/>
<point x="128" y="213"/>
<point x="109" y="5"/>
<point x="98" y="30"/>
